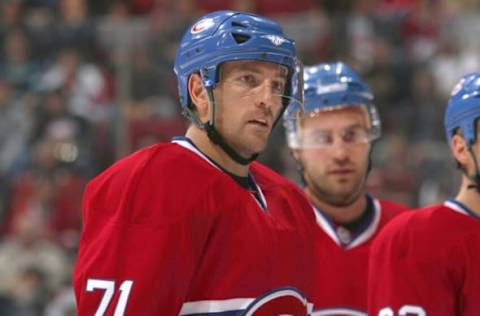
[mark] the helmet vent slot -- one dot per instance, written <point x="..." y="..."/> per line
<point x="238" y="24"/>
<point x="240" y="38"/>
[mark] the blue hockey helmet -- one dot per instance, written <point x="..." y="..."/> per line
<point x="329" y="86"/>
<point x="463" y="108"/>
<point x="224" y="36"/>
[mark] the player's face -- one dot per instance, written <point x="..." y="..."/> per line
<point x="248" y="101"/>
<point x="335" y="172"/>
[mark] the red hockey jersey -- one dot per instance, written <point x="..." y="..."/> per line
<point x="167" y="232"/>
<point x="427" y="263"/>
<point x="343" y="261"/>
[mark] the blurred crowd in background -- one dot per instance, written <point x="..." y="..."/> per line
<point x="85" y="82"/>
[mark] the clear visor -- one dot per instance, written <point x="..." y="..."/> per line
<point x="291" y="70"/>
<point x="271" y="87"/>
<point x="268" y="103"/>
<point x="308" y="130"/>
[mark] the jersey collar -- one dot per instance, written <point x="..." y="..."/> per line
<point x="459" y="207"/>
<point x="255" y="189"/>
<point x="369" y="229"/>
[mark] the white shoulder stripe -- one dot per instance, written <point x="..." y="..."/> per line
<point x="455" y="207"/>
<point x="215" y="306"/>
<point x="190" y="147"/>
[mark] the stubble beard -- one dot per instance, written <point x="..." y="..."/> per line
<point x="334" y="198"/>
<point x="252" y="144"/>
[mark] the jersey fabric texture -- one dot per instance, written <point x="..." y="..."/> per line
<point x="343" y="262"/>
<point x="167" y="232"/>
<point x="427" y="263"/>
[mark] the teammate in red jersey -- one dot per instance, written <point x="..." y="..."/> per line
<point x="332" y="143"/>
<point x="427" y="263"/>
<point x="195" y="227"/>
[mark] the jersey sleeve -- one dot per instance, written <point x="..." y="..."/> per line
<point x="138" y="266"/>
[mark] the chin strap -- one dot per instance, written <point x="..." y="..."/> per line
<point x="214" y="135"/>
<point x="218" y="139"/>
<point x="369" y="166"/>
<point x="476" y="177"/>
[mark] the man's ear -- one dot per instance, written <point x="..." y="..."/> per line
<point x="459" y="149"/>
<point x="198" y="95"/>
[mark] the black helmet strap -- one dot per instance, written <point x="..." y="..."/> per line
<point x="476" y="176"/>
<point x="219" y="140"/>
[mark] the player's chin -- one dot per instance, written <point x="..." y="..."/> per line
<point x="344" y="190"/>
<point x="260" y="136"/>
<point x="349" y="193"/>
<point x="343" y="200"/>
<point x="252" y="149"/>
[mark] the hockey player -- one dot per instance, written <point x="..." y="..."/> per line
<point x="331" y="142"/>
<point x="194" y="226"/>
<point x="427" y="262"/>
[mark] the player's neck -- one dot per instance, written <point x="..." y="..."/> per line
<point x="340" y="214"/>
<point x="215" y="152"/>
<point x="469" y="197"/>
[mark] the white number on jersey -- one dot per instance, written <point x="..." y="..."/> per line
<point x="109" y="288"/>
<point x="387" y="311"/>
<point x="404" y="311"/>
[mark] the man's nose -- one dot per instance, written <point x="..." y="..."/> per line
<point x="340" y="150"/>
<point x="265" y="96"/>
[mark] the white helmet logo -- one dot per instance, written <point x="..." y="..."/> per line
<point x="201" y="26"/>
<point x="275" y="39"/>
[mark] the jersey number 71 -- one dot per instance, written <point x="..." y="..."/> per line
<point x="109" y="289"/>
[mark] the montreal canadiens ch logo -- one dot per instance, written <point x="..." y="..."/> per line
<point x="282" y="302"/>
<point x="202" y="25"/>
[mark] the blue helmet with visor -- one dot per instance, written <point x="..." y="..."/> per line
<point x="461" y="115"/>
<point x="330" y="86"/>
<point x="225" y="36"/>
<point x="463" y="109"/>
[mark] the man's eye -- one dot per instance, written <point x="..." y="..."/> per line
<point x="350" y="136"/>
<point x="322" y="139"/>
<point x="355" y="135"/>
<point x="278" y="87"/>
<point x="248" y="79"/>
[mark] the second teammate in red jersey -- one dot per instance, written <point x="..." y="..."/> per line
<point x="427" y="263"/>
<point x="331" y="141"/>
